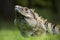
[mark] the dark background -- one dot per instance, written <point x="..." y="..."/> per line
<point x="49" y="9"/>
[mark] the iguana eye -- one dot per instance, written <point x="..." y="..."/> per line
<point x="26" y="8"/>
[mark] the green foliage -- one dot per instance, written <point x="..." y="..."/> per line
<point x="15" y="35"/>
<point x="44" y="3"/>
<point x="11" y="32"/>
<point x="22" y="2"/>
<point x="45" y="13"/>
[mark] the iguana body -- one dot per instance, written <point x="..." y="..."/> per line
<point x="30" y="22"/>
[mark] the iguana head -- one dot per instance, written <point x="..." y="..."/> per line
<point x="24" y="11"/>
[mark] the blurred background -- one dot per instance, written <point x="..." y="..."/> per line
<point x="49" y="9"/>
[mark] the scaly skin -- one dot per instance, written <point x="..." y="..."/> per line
<point x="29" y="21"/>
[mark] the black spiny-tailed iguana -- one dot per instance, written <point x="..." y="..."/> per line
<point x="29" y="22"/>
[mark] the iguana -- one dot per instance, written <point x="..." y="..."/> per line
<point x="29" y="22"/>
